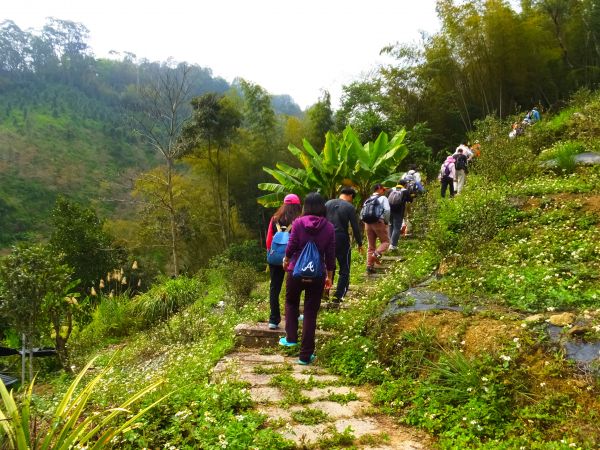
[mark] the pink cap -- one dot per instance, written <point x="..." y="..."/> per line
<point x="291" y="199"/>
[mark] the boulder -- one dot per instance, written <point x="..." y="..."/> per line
<point x="562" y="320"/>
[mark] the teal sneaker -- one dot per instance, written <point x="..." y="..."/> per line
<point x="284" y="342"/>
<point x="306" y="363"/>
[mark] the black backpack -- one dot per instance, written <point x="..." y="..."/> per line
<point x="461" y="162"/>
<point x="372" y="210"/>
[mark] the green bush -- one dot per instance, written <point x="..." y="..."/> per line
<point x="470" y="219"/>
<point x="241" y="279"/>
<point x="562" y="154"/>
<point x="112" y="318"/>
<point x="249" y="253"/>
<point x="502" y="159"/>
<point x="165" y="299"/>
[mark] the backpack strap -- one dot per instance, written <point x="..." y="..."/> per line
<point x="287" y="229"/>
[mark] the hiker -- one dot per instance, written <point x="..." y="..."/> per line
<point x="534" y="115"/>
<point x="461" y="170"/>
<point x="476" y="149"/>
<point x="281" y="222"/>
<point x="413" y="175"/>
<point x="517" y="130"/>
<point x="466" y="150"/>
<point x="447" y="175"/>
<point x="341" y="213"/>
<point x="397" y="198"/>
<point x="376" y="215"/>
<point x="311" y="230"/>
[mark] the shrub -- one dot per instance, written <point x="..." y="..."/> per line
<point x="470" y="220"/>
<point x="165" y="299"/>
<point x="561" y="155"/>
<point x="502" y="159"/>
<point x="241" y="280"/>
<point x="249" y="253"/>
<point x="112" y="318"/>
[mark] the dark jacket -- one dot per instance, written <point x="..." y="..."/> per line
<point x="342" y="213"/>
<point x="312" y="228"/>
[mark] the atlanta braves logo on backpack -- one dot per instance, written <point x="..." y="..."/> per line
<point x="309" y="263"/>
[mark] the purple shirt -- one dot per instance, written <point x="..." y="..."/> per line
<point x="316" y="229"/>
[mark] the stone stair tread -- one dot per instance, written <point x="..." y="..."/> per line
<point x="392" y="258"/>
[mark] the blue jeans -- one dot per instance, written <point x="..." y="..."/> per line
<point x="396" y="225"/>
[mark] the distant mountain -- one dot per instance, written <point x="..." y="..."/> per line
<point x="65" y="124"/>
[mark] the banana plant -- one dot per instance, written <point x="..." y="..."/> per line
<point x="377" y="162"/>
<point x="343" y="161"/>
<point x="321" y="172"/>
<point x="69" y="426"/>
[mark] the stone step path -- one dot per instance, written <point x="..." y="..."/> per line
<point x="313" y="408"/>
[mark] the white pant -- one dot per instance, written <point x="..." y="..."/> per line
<point x="459" y="181"/>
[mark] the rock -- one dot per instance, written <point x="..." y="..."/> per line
<point x="588" y="158"/>
<point x="578" y="330"/>
<point x="561" y="320"/>
<point x="536" y="318"/>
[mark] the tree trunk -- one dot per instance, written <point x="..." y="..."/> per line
<point x="172" y="217"/>
<point x="60" y="342"/>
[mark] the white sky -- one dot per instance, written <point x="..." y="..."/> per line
<point x="296" y="48"/>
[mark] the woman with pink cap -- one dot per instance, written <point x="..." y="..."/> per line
<point x="281" y="221"/>
<point x="447" y="176"/>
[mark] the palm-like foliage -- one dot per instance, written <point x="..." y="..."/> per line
<point x="343" y="161"/>
<point x="68" y="427"/>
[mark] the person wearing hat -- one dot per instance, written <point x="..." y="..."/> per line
<point x="281" y="221"/>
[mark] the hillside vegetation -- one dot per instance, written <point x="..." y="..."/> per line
<point x="177" y="160"/>
<point x="487" y="376"/>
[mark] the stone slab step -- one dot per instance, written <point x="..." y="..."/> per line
<point x="258" y="335"/>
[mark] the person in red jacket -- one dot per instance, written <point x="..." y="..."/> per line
<point x="285" y="215"/>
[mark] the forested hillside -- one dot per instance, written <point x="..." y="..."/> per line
<point x="67" y="124"/>
<point x="89" y="128"/>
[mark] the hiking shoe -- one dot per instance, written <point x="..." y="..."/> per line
<point x="370" y="270"/>
<point x="393" y="247"/>
<point x="284" y="342"/>
<point x="377" y="257"/>
<point x="306" y="363"/>
<point x="273" y="326"/>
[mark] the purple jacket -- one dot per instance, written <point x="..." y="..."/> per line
<point x="317" y="229"/>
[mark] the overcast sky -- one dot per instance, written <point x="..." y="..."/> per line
<point x="288" y="47"/>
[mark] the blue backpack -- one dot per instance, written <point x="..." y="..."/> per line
<point x="280" y="240"/>
<point x="309" y="263"/>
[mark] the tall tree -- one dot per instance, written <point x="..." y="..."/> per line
<point x="34" y="295"/>
<point x="164" y="108"/>
<point x="210" y="134"/>
<point x="320" y="120"/>
<point x="78" y="234"/>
